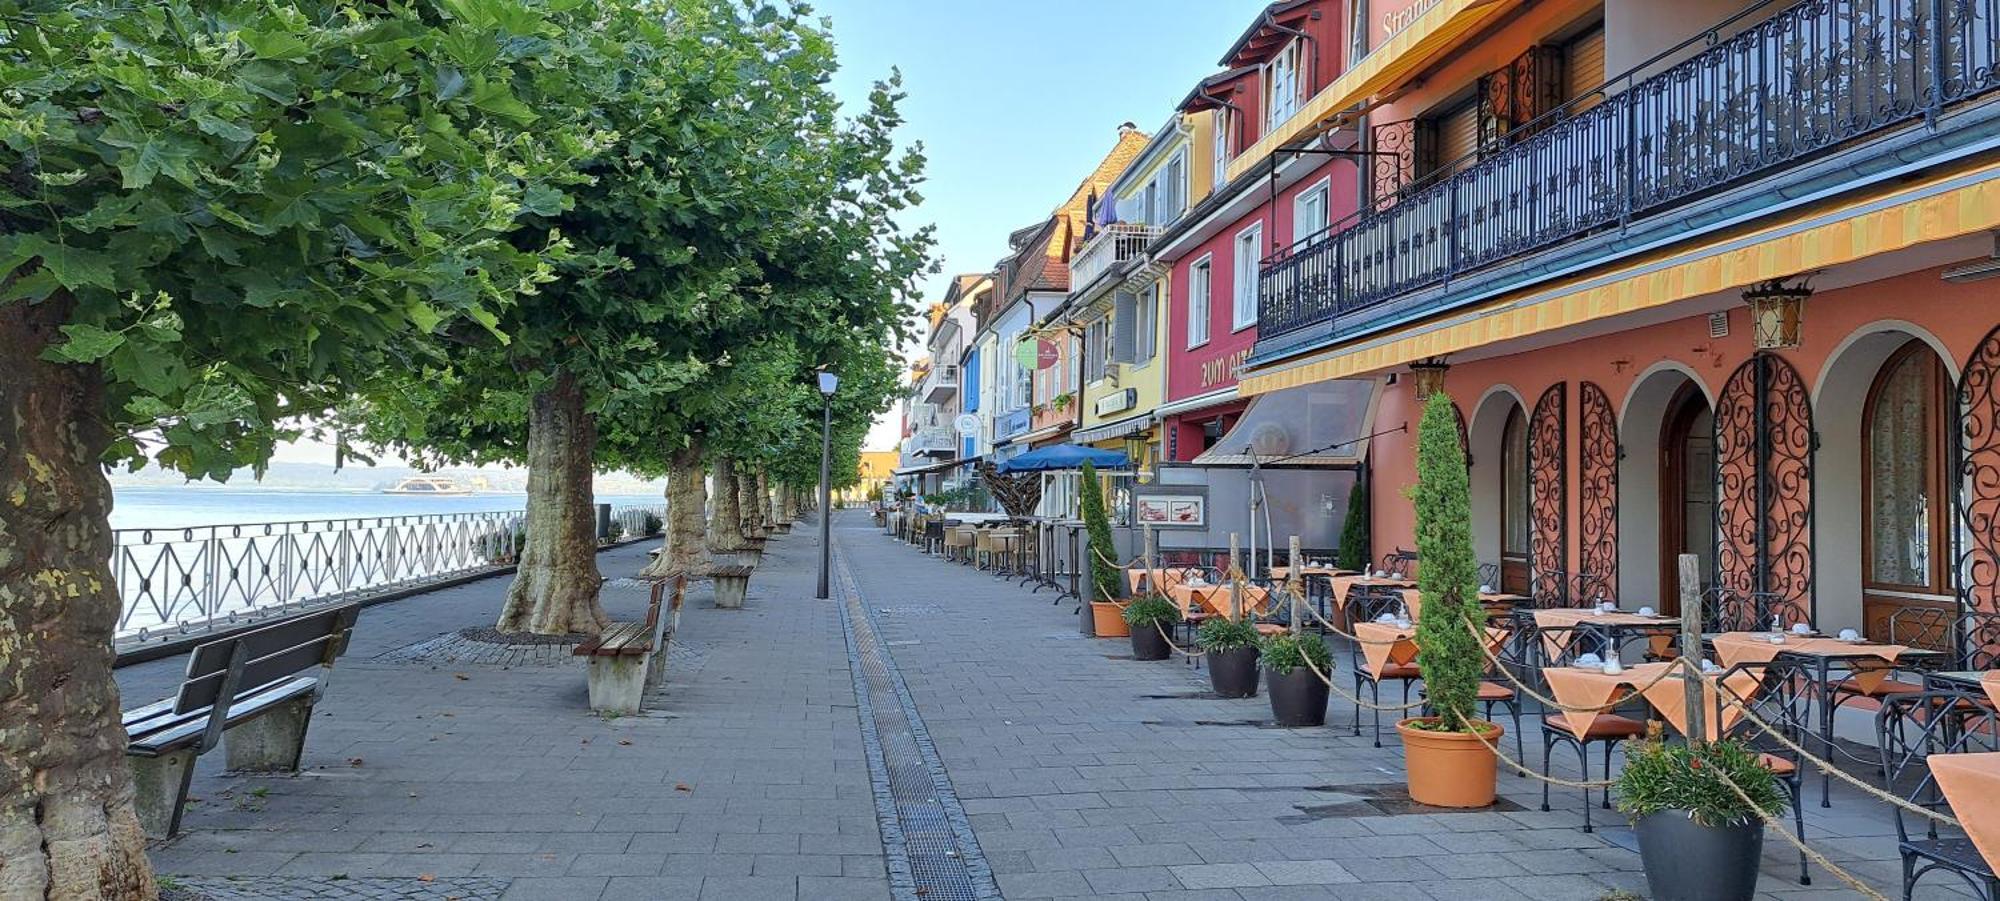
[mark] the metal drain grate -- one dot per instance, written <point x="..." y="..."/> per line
<point x="931" y="852"/>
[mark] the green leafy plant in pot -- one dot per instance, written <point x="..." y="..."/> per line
<point x="1105" y="611"/>
<point x="1231" y="648"/>
<point x="1698" y="838"/>
<point x="1447" y="762"/>
<point x="1149" y="619"/>
<point x="1293" y="666"/>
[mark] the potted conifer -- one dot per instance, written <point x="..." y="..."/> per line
<point x="1106" y="614"/>
<point x="1231" y="648"/>
<point x="1293" y="669"/>
<point x="1698" y="840"/>
<point x="1447" y="762"/>
<point x="1148" y="619"/>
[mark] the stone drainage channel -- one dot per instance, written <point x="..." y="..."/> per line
<point x="931" y="853"/>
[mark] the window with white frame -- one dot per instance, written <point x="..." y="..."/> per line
<point x="1249" y="250"/>
<point x="1176" y="192"/>
<point x="1024" y="381"/>
<point x="1096" y="348"/>
<point x="1221" y="148"/>
<point x="1201" y="279"/>
<point x="1309" y="211"/>
<point x="1282" y="85"/>
<point x="1148" y="324"/>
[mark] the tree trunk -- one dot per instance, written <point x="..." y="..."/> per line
<point x="555" y="591"/>
<point x="766" y="518"/>
<point x="783" y="503"/>
<point x="725" y="523"/>
<point x="67" y="828"/>
<point x="687" y="503"/>
<point x="751" y="524"/>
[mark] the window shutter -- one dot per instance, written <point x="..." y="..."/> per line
<point x="1124" y="331"/>
<point x="1458" y="134"/>
<point x="1584" y="66"/>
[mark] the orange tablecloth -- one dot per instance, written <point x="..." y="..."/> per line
<point x="1970" y="782"/>
<point x="1283" y="572"/>
<point x="1590" y="687"/>
<point x="1991" y="682"/>
<point x="1211" y="598"/>
<point x="1566" y="619"/>
<point x="1343" y="584"/>
<point x="1157" y="576"/>
<point x="1413" y="600"/>
<point x="1732" y="648"/>
<point x="1385" y="643"/>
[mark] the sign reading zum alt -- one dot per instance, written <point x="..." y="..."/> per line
<point x="1222" y="369"/>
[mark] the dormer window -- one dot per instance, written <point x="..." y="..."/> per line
<point x="1282" y="85"/>
<point x="1221" y="154"/>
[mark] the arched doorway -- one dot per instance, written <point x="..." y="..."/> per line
<point x="1515" y="526"/>
<point x="1687" y="491"/>
<point x="1904" y="494"/>
<point x="1502" y="526"/>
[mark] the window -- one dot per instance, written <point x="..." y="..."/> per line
<point x="1249" y="250"/>
<point x="1903" y="438"/>
<point x="1309" y="211"/>
<point x="1096" y="349"/>
<point x="1221" y="151"/>
<point x="1281" y="86"/>
<point x="1148" y="324"/>
<point x="1024" y="380"/>
<point x="1200" y="278"/>
<point x="1514" y="500"/>
<point x="1175" y="192"/>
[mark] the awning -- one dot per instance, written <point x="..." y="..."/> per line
<point x="1130" y="425"/>
<point x="934" y="467"/>
<point x="1197" y="402"/>
<point x="1406" y="51"/>
<point x="1943" y="208"/>
<point x="1047" y="431"/>
<point x="1065" y="456"/>
<point x="1320" y="424"/>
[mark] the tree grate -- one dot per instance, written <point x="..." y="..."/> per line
<point x="931" y="852"/>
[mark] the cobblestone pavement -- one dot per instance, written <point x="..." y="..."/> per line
<point x="1088" y="774"/>
<point x="745" y="780"/>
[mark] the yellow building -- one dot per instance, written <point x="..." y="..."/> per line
<point x="877" y="468"/>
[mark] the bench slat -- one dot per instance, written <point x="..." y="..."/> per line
<point x="275" y="651"/>
<point x="185" y="729"/>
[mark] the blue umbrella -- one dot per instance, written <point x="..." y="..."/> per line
<point x="1066" y="456"/>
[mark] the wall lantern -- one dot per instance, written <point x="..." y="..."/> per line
<point x="1777" y="312"/>
<point x="1136" y="449"/>
<point x="1429" y="376"/>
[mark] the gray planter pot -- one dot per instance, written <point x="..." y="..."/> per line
<point x="1298" y="698"/>
<point x="1233" y="674"/>
<point x="1149" y="643"/>
<point x="1686" y="861"/>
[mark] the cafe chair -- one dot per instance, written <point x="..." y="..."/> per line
<point x="1404" y="674"/>
<point x="1397" y="563"/>
<point x="1976" y="642"/>
<point x="1909" y="731"/>
<point x="1779" y="703"/>
<point x="1607" y="729"/>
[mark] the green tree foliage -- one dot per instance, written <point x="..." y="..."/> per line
<point x="1448" y="629"/>
<point x="1103" y="575"/>
<point x="1354" y="532"/>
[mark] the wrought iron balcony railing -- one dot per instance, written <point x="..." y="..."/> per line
<point x="1820" y="74"/>
<point x="1116" y="243"/>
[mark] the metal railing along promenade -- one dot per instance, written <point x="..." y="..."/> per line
<point x="186" y="581"/>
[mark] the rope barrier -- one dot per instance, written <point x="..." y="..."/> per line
<point x="1355" y="699"/>
<point x="1799" y="843"/>
<point x="1522" y="767"/>
<point x="1837" y="772"/>
<point x="1177" y="648"/>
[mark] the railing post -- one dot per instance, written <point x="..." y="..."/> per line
<point x="1937" y="86"/>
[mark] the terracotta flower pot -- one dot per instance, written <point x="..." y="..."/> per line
<point x="1108" y="619"/>
<point x="1449" y="769"/>
<point x="1150" y="643"/>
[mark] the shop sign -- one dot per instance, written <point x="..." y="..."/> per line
<point x="1222" y="370"/>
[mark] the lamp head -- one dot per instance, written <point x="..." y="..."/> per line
<point x="828" y="382"/>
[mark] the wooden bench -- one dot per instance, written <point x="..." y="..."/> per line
<point x="258" y="688"/>
<point x="732" y="585"/>
<point x="628" y="658"/>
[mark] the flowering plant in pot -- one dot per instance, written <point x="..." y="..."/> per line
<point x="1698" y="838"/>
<point x="1293" y="666"/>
<point x="1105" y="611"/>
<point x="1231" y="646"/>
<point x="1448" y="756"/>
<point x="1149" y="618"/>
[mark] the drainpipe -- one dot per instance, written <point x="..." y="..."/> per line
<point x="1312" y="61"/>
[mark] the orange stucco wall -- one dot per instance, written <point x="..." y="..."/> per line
<point x="1951" y="317"/>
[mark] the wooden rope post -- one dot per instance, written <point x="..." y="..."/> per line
<point x="1690" y="586"/>
<point x="1235" y="583"/>
<point x="1151" y="556"/>
<point x="1294" y="580"/>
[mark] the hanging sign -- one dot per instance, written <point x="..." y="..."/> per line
<point x="1046" y="353"/>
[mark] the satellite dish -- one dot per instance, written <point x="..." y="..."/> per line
<point x="1270" y="439"/>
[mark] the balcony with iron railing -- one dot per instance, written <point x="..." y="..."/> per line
<point x="1813" y="79"/>
<point x="940" y="385"/>
<point x="933" y="440"/>
<point x="1117" y="243"/>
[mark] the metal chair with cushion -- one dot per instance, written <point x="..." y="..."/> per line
<point x="1909" y="731"/>
<point x="1607" y="729"/>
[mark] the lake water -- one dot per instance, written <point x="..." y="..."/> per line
<point x="173" y="507"/>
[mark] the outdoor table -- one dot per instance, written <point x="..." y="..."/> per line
<point x="1310" y="570"/>
<point x="1343" y="586"/>
<point x="1969" y="783"/>
<point x="1496" y="603"/>
<point x="1386" y="643"/>
<point x="1967" y="680"/>
<point x="1589" y="686"/>
<point x="1201" y="599"/>
<point x="1003" y="546"/>
<point x="1867" y="663"/>
<point x="1160" y="577"/>
<point x="1567" y="621"/>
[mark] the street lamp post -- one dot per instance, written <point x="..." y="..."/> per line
<point x="828" y="382"/>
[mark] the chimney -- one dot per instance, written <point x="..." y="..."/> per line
<point x="1126" y="128"/>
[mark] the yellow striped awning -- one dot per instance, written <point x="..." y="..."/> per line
<point x="1944" y="207"/>
<point x="1438" y="29"/>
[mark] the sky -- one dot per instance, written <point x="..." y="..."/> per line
<point x="1016" y="101"/>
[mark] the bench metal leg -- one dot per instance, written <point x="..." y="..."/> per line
<point x="271" y="743"/>
<point x="617" y="684"/>
<point x="162" y="784"/>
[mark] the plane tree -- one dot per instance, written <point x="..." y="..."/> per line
<point x="217" y="218"/>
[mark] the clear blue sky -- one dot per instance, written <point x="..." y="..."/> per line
<point x="1016" y="100"/>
